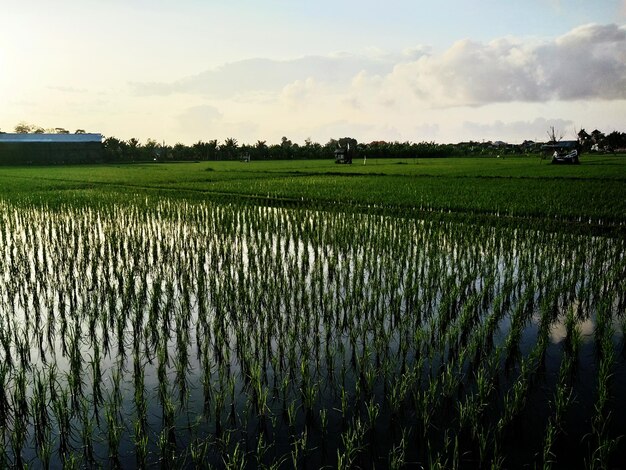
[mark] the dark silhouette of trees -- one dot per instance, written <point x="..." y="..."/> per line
<point x="229" y="150"/>
<point x="117" y="150"/>
<point x="26" y="128"/>
<point x="614" y="141"/>
<point x="205" y="151"/>
<point x="260" y="151"/>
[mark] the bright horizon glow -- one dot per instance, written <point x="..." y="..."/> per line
<point x="403" y="70"/>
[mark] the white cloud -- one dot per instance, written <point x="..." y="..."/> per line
<point x="589" y="62"/>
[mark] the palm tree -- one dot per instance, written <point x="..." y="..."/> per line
<point x="261" y="150"/>
<point x="229" y="149"/>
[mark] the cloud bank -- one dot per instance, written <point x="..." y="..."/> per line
<point x="588" y="62"/>
<point x="267" y="75"/>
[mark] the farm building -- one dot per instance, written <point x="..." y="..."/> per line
<point x="46" y="149"/>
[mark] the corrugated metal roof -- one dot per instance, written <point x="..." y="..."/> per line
<point x="52" y="138"/>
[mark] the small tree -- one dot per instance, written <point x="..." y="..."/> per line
<point x="23" y="128"/>
<point x="554" y="135"/>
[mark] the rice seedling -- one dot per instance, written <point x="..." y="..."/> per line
<point x="397" y="456"/>
<point x="603" y="444"/>
<point x="86" y="434"/>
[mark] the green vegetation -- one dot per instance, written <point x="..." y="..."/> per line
<point x="402" y="314"/>
<point x="591" y="195"/>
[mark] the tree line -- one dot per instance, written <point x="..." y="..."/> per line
<point x="117" y="150"/>
<point x="597" y="141"/>
<point x="132" y="150"/>
<point x="26" y="128"/>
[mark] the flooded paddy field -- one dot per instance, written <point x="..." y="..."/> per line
<point x="204" y="334"/>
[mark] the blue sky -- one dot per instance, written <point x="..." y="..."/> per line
<point x="188" y="70"/>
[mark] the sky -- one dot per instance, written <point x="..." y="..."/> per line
<point x="398" y="70"/>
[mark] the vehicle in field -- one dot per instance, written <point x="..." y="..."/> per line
<point x="566" y="151"/>
<point x="346" y="150"/>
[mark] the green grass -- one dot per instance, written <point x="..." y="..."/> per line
<point x="593" y="193"/>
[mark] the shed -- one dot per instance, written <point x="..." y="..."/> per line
<point x="46" y="149"/>
<point x="564" y="151"/>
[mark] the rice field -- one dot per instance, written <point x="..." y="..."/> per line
<point x="163" y="332"/>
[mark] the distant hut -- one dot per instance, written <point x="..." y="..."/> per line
<point x="564" y="151"/>
<point x="346" y="150"/>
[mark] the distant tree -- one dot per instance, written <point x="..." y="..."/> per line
<point x="134" y="149"/>
<point x="286" y="146"/>
<point x="554" y="135"/>
<point x="22" y="128"/>
<point x="260" y="151"/>
<point x="26" y="128"/>
<point x="212" y="149"/>
<point x="615" y="140"/>
<point x="114" y="149"/>
<point x="311" y="149"/>
<point x="229" y="149"/>
<point x="205" y="150"/>
<point x="151" y="150"/>
<point x="181" y="152"/>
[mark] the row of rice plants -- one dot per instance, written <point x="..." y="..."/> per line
<point x="245" y="336"/>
